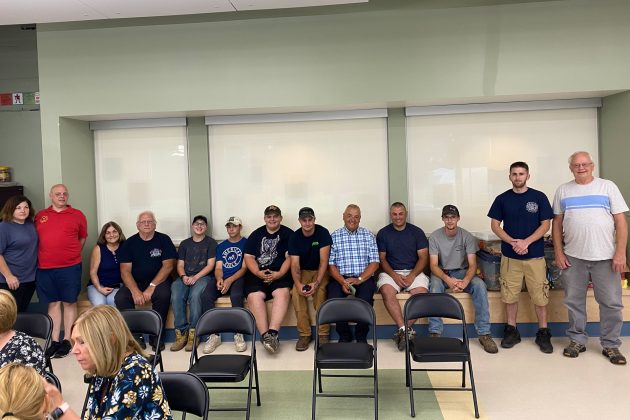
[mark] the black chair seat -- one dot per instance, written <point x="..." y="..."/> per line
<point x="222" y="367"/>
<point x="438" y="349"/>
<point x="345" y="356"/>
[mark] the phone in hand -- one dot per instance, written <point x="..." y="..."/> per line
<point x="352" y="289"/>
<point x="306" y="288"/>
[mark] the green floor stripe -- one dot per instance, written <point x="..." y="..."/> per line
<point x="286" y="395"/>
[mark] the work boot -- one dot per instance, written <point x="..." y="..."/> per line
<point x="191" y="339"/>
<point x="511" y="337"/>
<point x="181" y="338"/>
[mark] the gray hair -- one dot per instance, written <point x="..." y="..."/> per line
<point x="147" y="213"/>
<point x="581" y="152"/>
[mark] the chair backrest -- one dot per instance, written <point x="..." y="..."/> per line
<point x="218" y="320"/>
<point x="51" y="378"/>
<point x="143" y="321"/>
<point x="36" y="325"/>
<point x="185" y="392"/>
<point x="442" y="305"/>
<point x="345" y="310"/>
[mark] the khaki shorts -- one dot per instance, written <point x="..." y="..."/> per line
<point x="421" y="280"/>
<point x="534" y="271"/>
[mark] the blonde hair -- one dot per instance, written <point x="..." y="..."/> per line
<point x="108" y="338"/>
<point x="22" y="393"/>
<point x="8" y="311"/>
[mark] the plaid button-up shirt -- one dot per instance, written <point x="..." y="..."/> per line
<point x="351" y="252"/>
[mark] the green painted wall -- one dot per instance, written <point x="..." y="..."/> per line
<point x="386" y="53"/>
<point x="614" y="152"/>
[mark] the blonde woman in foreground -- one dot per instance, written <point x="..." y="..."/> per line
<point x="22" y="394"/>
<point x="125" y="385"/>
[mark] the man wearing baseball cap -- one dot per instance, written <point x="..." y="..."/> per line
<point x="229" y="273"/>
<point x="309" y="249"/>
<point x="453" y="265"/>
<point x="268" y="277"/>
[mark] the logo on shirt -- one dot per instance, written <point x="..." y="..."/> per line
<point x="232" y="257"/>
<point x="43" y="219"/>
<point x="268" y="251"/>
<point x="155" y="253"/>
<point x="531" y="207"/>
<point x="315" y="243"/>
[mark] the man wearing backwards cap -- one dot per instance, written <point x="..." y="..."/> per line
<point x="309" y="248"/>
<point x="453" y="265"/>
<point x="268" y="276"/>
<point x="229" y="273"/>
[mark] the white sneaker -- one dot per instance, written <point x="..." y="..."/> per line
<point x="239" y="342"/>
<point x="211" y="345"/>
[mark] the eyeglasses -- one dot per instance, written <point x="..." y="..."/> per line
<point x="146" y="222"/>
<point x="200" y="224"/>
<point x="581" y="165"/>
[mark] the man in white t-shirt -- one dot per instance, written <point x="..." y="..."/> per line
<point x="589" y="237"/>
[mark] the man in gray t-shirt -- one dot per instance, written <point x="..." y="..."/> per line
<point x="453" y="265"/>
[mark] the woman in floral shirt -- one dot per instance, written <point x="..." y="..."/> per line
<point x="125" y="385"/>
<point x="16" y="346"/>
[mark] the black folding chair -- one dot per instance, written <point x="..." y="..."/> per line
<point x="51" y="378"/>
<point x="225" y="368"/>
<point x="186" y="392"/>
<point x="345" y="355"/>
<point x="146" y="321"/>
<point x="37" y="325"/>
<point x="437" y="349"/>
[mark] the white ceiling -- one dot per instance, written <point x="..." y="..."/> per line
<point x="45" y="11"/>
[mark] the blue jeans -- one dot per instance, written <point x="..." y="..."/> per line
<point x="477" y="289"/>
<point x="181" y="295"/>
<point x="97" y="298"/>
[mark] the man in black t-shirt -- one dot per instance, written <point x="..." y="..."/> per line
<point x="268" y="276"/>
<point x="146" y="262"/>
<point x="309" y="249"/>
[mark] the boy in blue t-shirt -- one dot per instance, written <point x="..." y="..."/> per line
<point x="229" y="274"/>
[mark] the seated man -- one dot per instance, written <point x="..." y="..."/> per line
<point x="230" y="278"/>
<point x="404" y="252"/>
<point x="352" y="264"/>
<point x="453" y="265"/>
<point x="268" y="276"/>
<point x="194" y="265"/>
<point x="146" y="262"/>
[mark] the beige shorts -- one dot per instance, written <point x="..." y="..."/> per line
<point x="421" y="280"/>
<point x="533" y="271"/>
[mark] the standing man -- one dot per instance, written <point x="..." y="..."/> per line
<point x="352" y="264"/>
<point x="268" y="276"/>
<point x="146" y="262"/>
<point x="453" y="265"/>
<point x="526" y="215"/>
<point x="404" y="253"/>
<point x="194" y="265"/>
<point x="309" y="249"/>
<point x="229" y="274"/>
<point x="62" y="231"/>
<point x="589" y="238"/>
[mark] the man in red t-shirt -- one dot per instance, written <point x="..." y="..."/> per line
<point x="62" y="232"/>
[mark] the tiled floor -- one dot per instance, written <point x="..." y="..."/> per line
<point x="519" y="383"/>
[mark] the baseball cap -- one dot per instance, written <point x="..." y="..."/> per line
<point x="306" y="212"/>
<point x="450" y="209"/>
<point x="234" y="220"/>
<point x="273" y="209"/>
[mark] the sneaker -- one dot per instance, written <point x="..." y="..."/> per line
<point x="50" y="351"/>
<point x="511" y="337"/>
<point x="63" y="350"/>
<point x="323" y="339"/>
<point x="191" y="340"/>
<point x="270" y="342"/>
<point x="435" y="334"/>
<point x="543" y="339"/>
<point x="140" y="339"/>
<point x="181" y="339"/>
<point x="411" y="334"/>
<point x="399" y="339"/>
<point x="212" y="343"/>
<point x="152" y="340"/>
<point x="613" y="354"/>
<point x="488" y="343"/>
<point x="574" y="349"/>
<point x="303" y="343"/>
<point x="239" y="342"/>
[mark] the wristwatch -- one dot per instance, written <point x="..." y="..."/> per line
<point x="59" y="411"/>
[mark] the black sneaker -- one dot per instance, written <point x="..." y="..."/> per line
<point x="63" y="350"/>
<point x="152" y="340"/>
<point x="140" y="339"/>
<point x="54" y="346"/>
<point x="511" y="337"/>
<point x="543" y="339"/>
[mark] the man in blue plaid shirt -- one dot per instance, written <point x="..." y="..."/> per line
<point x="352" y="263"/>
